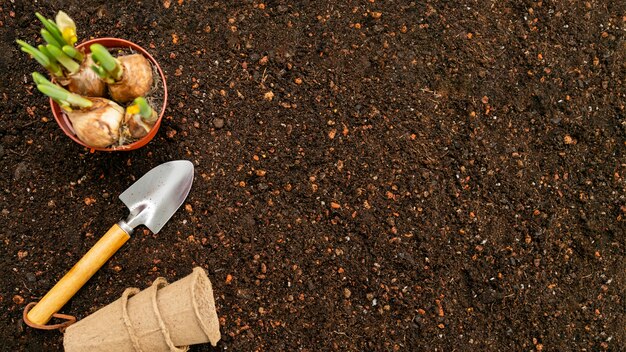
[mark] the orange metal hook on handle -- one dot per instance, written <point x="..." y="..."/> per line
<point x="69" y="320"/>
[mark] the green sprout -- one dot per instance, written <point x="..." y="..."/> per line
<point x="73" y="53"/>
<point x="140" y="106"/>
<point x="106" y="66"/>
<point x="45" y="51"/>
<point x="50" y="39"/>
<point x="48" y="62"/>
<point x="52" y="28"/>
<point x="102" y="74"/>
<point x="66" y="61"/>
<point x="59" y="56"/>
<point x="60" y="95"/>
<point x="40" y="79"/>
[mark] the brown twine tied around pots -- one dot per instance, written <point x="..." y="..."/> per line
<point x="138" y="344"/>
<point x="69" y="320"/>
<point x="127" y="293"/>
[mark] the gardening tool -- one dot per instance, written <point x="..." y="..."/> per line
<point x="152" y="201"/>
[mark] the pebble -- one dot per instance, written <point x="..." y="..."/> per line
<point x="22" y="254"/>
<point x="20" y="171"/>
<point x="170" y="133"/>
<point x="218" y="123"/>
<point x="567" y="139"/>
<point x="31" y="277"/>
<point x="347" y="293"/>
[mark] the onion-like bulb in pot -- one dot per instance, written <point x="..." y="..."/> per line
<point x="128" y="77"/>
<point x="85" y="81"/>
<point x="98" y="125"/>
<point x="96" y="121"/>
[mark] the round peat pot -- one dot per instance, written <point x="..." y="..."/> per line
<point x="65" y="124"/>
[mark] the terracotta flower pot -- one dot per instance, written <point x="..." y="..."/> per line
<point x="65" y="124"/>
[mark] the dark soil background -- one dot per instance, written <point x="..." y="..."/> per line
<point x="370" y="175"/>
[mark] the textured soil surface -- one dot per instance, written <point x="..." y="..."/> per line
<point x="370" y="175"/>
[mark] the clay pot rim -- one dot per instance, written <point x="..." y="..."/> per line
<point x="63" y="121"/>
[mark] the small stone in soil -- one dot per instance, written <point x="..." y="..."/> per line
<point x="22" y="254"/>
<point x="218" y="123"/>
<point x="17" y="299"/>
<point x="31" y="277"/>
<point x="20" y="171"/>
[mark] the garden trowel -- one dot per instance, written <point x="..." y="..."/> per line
<point x="152" y="201"/>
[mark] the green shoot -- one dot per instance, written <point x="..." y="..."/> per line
<point x="50" y="39"/>
<point x="38" y="55"/>
<point x="51" y="27"/>
<point x="63" y="96"/>
<point x="73" y="53"/>
<point x="67" y="27"/>
<point x="102" y="74"/>
<point x="45" y="51"/>
<point x="63" y="59"/>
<point x="41" y="57"/>
<point x="144" y="108"/>
<point x="140" y="106"/>
<point x="106" y="61"/>
<point x="40" y="79"/>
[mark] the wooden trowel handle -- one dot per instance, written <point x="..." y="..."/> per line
<point x="65" y="289"/>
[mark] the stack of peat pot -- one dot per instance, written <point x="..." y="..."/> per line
<point x="160" y="318"/>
